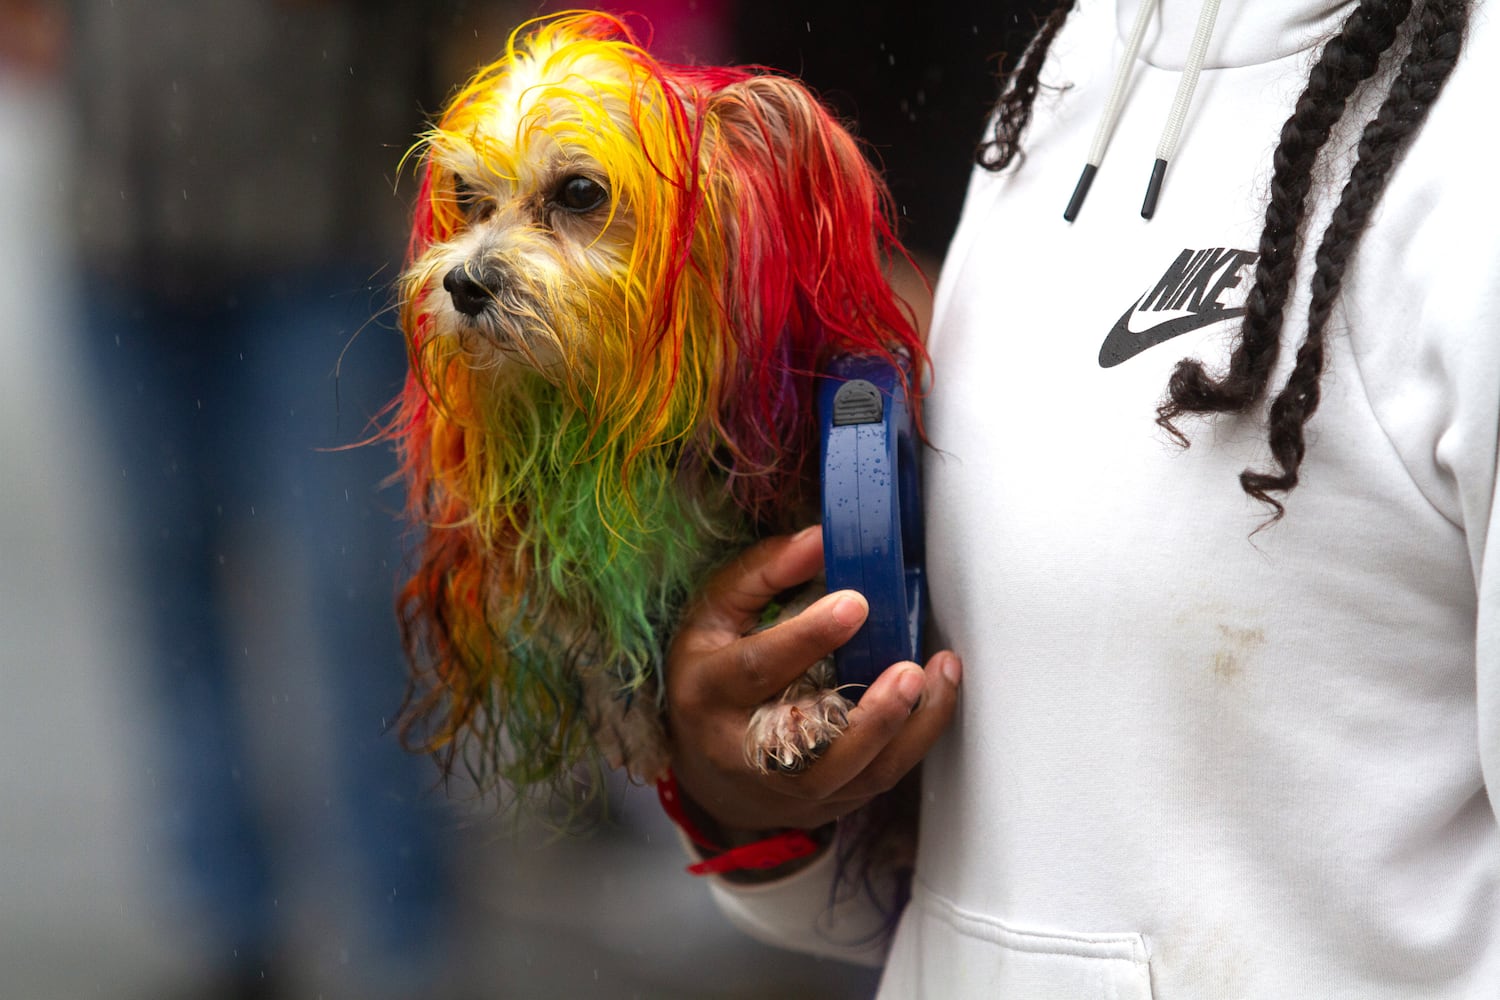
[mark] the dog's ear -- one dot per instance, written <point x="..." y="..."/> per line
<point x="791" y="173"/>
<point x="809" y="216"/>
<point x="803" y="219"/>
<point x="777" y="122"/>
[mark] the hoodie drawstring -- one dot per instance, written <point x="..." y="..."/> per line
<point x="1113" y="107"/>
<point x="1165" y="149"/>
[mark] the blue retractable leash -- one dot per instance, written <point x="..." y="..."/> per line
<point x="872" y="514"/>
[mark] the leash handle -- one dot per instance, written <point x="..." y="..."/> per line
<point x="872" y="513"/>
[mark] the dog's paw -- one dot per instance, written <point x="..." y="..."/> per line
<point x="646" y="765"/>
<point x="787" y="735"/>
<point x="627" y="730"/>
<point x="634" y="741"/>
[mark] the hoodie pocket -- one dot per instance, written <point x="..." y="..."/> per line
<point x="943" y="951"/>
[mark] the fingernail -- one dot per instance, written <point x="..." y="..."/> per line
<point x="909" y="686"/>
<point x="848" y="610"/>
<point x="805" y="532"/>
<point x="953" y="669"/>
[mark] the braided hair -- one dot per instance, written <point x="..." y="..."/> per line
<point x="1348" y="60"/>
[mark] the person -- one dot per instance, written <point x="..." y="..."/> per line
<point x="1229" y="711"/>
<point x="231" y="263"/>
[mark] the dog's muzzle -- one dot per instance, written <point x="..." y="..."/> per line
<point x="473" y="289"/>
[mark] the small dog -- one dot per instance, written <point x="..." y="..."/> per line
<point x="623" y="279"/>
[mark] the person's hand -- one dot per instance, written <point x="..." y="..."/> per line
<point x="717" y="676"/>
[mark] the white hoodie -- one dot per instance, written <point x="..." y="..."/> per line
<point x="1189" y="762"/>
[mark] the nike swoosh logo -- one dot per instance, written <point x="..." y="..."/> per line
<point x="1123" y="343"/>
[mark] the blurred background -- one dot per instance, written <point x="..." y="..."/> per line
<point x="200" y="218"/>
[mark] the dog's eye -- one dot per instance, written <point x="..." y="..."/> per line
<point x="580" y="194"/>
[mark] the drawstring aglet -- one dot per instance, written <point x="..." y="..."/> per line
<point x="1153" y="188"/>
<point x="1080" y="191"/>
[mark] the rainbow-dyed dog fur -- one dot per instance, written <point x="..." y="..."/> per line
<point x="623" y="279"/>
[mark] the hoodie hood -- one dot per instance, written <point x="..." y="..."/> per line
<point x="1248" y="32"/>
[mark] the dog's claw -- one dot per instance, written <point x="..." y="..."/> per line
<point x="787" y="736"/>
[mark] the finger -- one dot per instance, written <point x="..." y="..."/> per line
<point x="738" y="593"/>
<point x="929" y="718"/>
<point x="764" y="663"/>
<point x="891" y="729"/>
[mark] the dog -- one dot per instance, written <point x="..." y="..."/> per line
<point x="623" y="279"/>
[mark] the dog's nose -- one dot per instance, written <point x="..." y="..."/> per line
<point x="472" y="290"/>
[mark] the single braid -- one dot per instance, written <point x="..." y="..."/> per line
<point x="1017" y="95"/>
<point x="1431" y="58"/>
<point x="1349" y="59"/>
